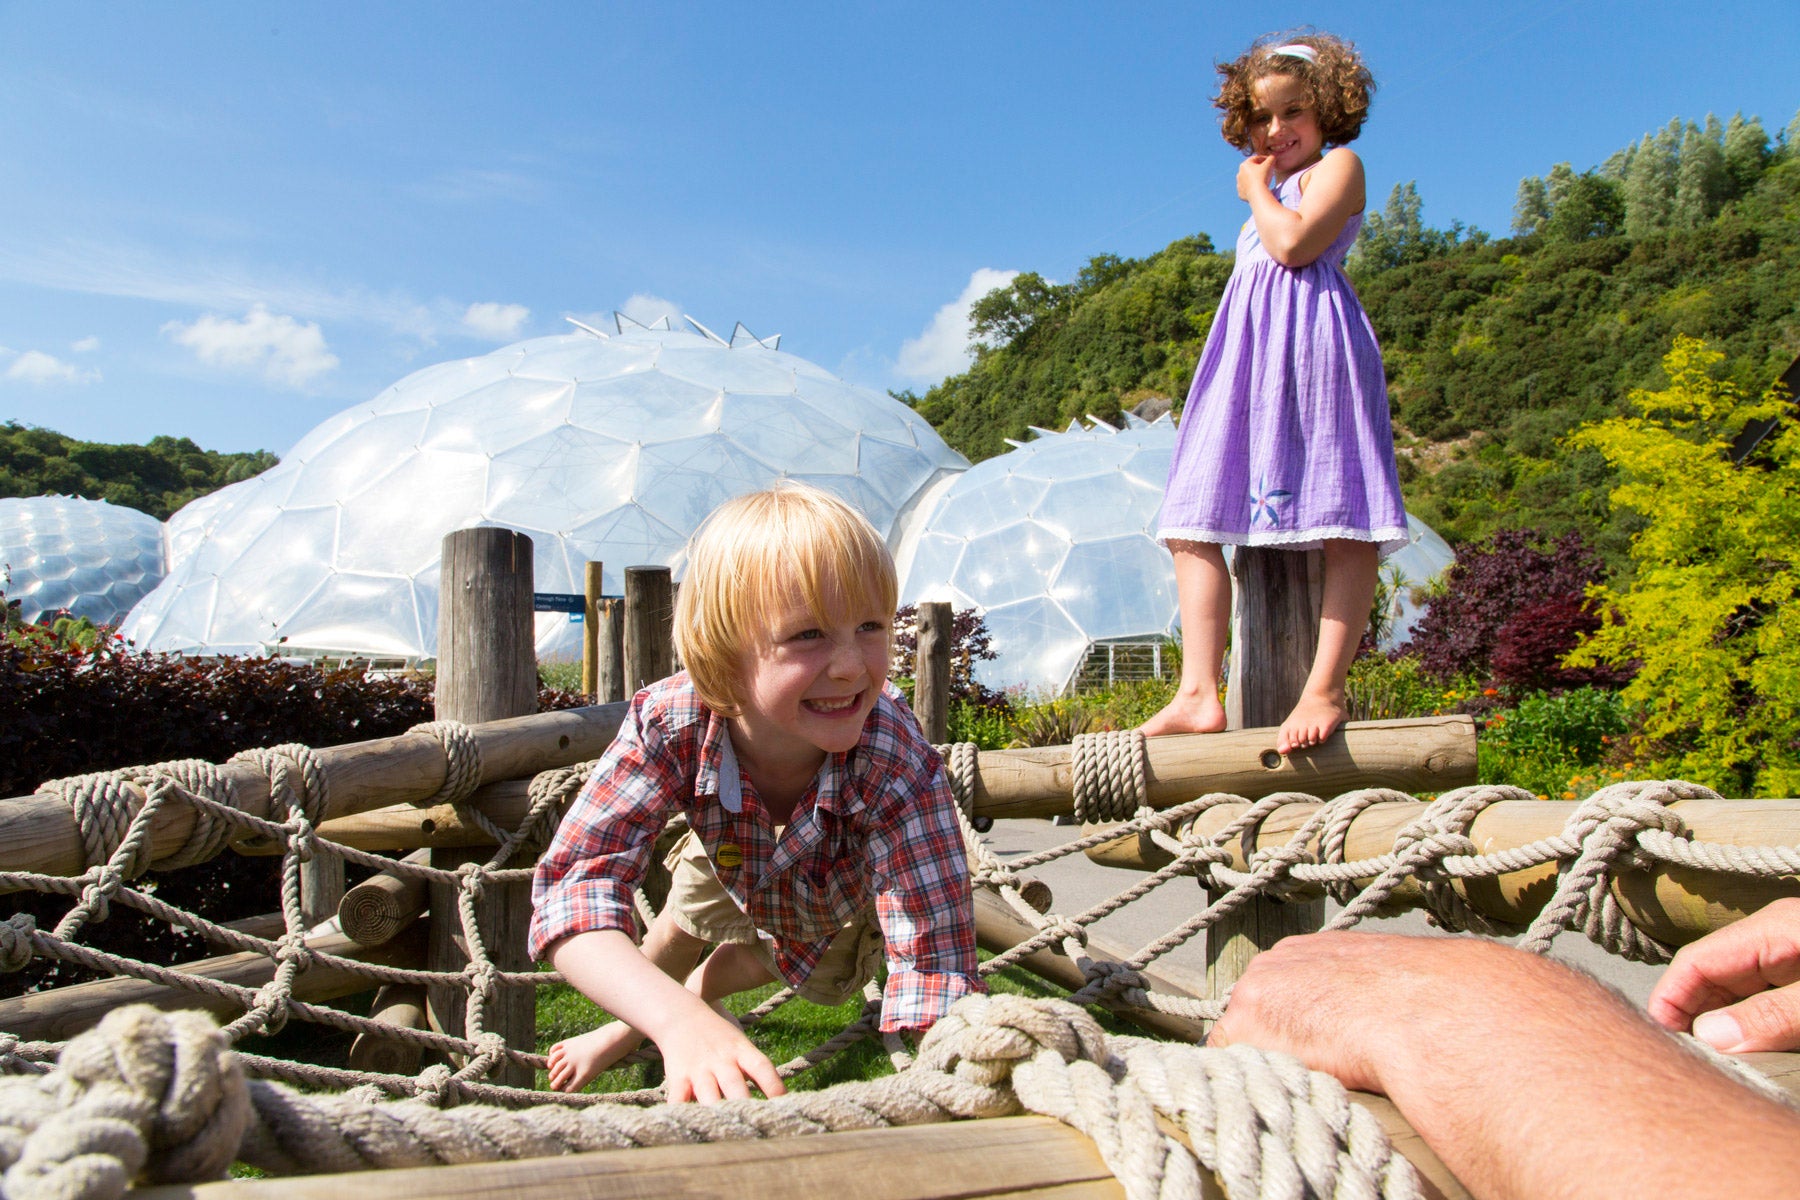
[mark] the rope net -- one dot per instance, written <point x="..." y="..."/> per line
<point x="175" y="1098"/>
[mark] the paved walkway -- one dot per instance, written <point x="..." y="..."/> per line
<point x="1079" y="883"/>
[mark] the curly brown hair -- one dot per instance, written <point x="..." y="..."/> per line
<point x="1338" y="84"/>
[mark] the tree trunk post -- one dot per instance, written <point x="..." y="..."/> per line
<point x="487" y="670"/>
<point x="1275" y="631"/>
<point x="321" y="888"/>
<point x="611" y="669"/>
<point x="931" y="671"/>
<point x="593" y="633"/>
<point x="649" y="620"/>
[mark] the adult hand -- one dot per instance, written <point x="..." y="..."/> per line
<point x="1738" y="988"/>
<point x="1325" y="998"/>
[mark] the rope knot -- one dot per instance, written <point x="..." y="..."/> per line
<point x="15" y="942"/>
<point x="172" y="1077"/>
<point x="982" y="1038"/>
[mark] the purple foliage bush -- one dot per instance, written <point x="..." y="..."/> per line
<point x="1513" y="604"/>
<point x="970" y="643"/>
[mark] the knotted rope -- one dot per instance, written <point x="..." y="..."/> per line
<point x="160" y="1097"/>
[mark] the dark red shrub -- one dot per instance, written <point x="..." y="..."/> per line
<point x="1514" y="598"/>
<point x="970" y="643"/>
<point x="67" y="710"/>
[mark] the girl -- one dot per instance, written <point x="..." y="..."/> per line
<point x="1285" y="439"/>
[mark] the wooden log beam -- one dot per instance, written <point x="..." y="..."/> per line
<point x="402" y="1006"/>
<point x="1674" y="904"/>
<point x="38" y="832"/>
<point x="998" y="929"/>
<point x="61" y="1013"/>
<point x="382" y="905"/>
<point x="1429" y="754"/>
<point x="999" y="1157"/>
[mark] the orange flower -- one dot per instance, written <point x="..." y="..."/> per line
<point x="1490" y="691"/>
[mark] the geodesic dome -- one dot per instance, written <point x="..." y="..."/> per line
<point x="1055" y="541"/>
<point x="600" y="447"/>
<point x="88" y="557"/>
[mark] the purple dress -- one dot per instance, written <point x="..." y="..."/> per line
<point x="1285" y="440"/>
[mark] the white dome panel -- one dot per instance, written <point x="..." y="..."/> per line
<point x="87" y="557"/>
<point x="600" y="448"/>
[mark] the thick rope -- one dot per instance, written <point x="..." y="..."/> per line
<point x="1111" y="774"/>
<point x="155" y="1097"/>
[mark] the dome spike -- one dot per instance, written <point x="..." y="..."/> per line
<point x="708" y="334"/>
<point x="587" y="328"/>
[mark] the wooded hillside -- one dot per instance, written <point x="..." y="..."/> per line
<point x="1495" y="347"/>
<point x="157" y="477"/>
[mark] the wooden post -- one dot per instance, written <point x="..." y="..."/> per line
<point x="487" y="670"/>
<point x="591" y="634"/>
<point x="1275" y="630"/>
<point x="931" y="671"/>
<point x="649" y="620"/>
<point x="610" y="669"/>
<point x="321" y="887"/>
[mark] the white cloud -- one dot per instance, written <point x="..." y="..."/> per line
<point x="943" y="348"/>
<point x="86" y="345"/>
<point x="34" y="366"/>
<point x="122" y="269"/>
<point x="646" y="309"/>
<point x="501" y="322"/>
<point x="285" y="351"/>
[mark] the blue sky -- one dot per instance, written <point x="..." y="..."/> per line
<point x="228" y="221"/>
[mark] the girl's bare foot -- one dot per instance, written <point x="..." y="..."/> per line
<point x="1201" y="713"/>
<point x="576" y="1062"/>
<point x="1314" y="719"/>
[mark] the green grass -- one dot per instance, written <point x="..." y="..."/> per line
<point x="788" y="1032"/>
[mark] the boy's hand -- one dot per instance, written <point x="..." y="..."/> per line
<point x="711" y="1060"/>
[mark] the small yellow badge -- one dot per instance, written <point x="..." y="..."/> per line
<point x="730" y="855"/>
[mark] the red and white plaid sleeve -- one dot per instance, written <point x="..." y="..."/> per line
<point x="601" y="851"/>
<point x="921" y="868"/>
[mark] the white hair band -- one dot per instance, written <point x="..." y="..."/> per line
<point x="1298" y="50"/>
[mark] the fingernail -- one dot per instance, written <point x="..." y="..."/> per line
<point x="1718" y="1030"/>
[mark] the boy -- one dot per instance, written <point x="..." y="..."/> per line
<point x="816" y="810"/>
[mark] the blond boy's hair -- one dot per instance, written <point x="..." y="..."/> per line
<point x="750" y="558"/>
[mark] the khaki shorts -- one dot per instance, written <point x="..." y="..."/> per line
<point x="699" y="903"/>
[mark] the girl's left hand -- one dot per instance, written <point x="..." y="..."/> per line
<point x="1254" y="173"/>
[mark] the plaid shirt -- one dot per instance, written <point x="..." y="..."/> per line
<point x="877" y="822"/>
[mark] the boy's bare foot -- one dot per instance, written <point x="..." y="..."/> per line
<point x="1314" y="719"/>
<point x="1187" y="714"/>
<point x="576" y="1062"/>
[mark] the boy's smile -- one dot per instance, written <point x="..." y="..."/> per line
<point x="810" y="685"/>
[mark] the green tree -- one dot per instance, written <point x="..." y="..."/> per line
<point x="1649" y="183"/>
<point x="1711" y="616"/>
<point x="1531" y="208"/>
<point x="1700" y="179"/>
<point x="1746" y="153"/>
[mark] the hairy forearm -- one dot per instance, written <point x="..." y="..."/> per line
<point x="1553" y="1086"/>
<point x="1526" y="1078"/>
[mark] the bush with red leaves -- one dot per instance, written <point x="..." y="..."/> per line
<point x="1512" y="605"/>
<point x="68" y="710"/>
